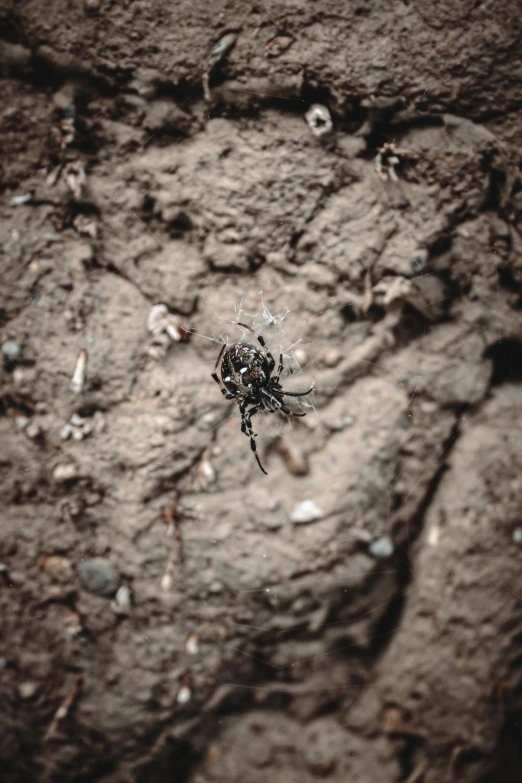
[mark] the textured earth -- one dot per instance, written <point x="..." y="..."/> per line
<point x="168" y="613"/>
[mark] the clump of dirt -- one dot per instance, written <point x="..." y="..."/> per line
<point x="168" y="612"/>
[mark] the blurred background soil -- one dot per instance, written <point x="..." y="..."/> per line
<point x="168" y="613"/>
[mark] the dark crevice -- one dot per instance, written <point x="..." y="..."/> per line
<point x="507" y="281"/>
<point x="173" y="763"/>
<point x="506" y="765"/>
<point x="408" y="533"/>
<point x="506" y="356"/>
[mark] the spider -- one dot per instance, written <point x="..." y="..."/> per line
<point x="246" y="376"/>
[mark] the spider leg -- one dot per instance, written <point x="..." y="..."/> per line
<point x="246" y="427"/>
<point x="297" y="394"/>
<point x="269" y="356"/>
<point x="246" y="423"/>
<point x="256" y="455"/>
<point x="226" y="394"/>
<point x="288" y="412"/>
<point x="279" y="369"/>
<point x="214" y="373"/>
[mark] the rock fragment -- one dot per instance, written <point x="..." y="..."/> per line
<point x="80" y="371"/>
<point x="58" y="568"/>
<point x="11" y="350"/>
<point x="63" y="473"/>
<point x="219" y="51"/>
<point x="306" y="511"/>
<point x="184" y="695"/>
<point x="98" y="575"/>
<point x="332" y="357"/>
<point x="18" y="201"/>
<point x="192" y="644"/>
<point x="381" y="547"/>
<point x="319" y="120"/>
<point x="75" y="427"/>
<point x="27" y="690"/>
<point x="294" y="458"/>
<point x="122" y="601"/>
<point x="160" y="321"/>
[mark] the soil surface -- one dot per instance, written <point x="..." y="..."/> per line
<point x="169" y="613"/>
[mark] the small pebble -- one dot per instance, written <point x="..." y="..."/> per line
<point x="517" y="535"/>
<point x="332" y="357"/>
<point x="419" y="259"/>
<point x="64" y="473"/>
<point x="58" y="568"/>
<point x="192" y="644"/>
<point x="301" y="356"/>
<point x="319" y="120"/>
<point x="307" y="511"/>
<point x="215" y="587"/>
<point x="80" y="371"/>
<point x="33" y="430"/>
<point x="160" y="321"/>
<point x="98" y="575"/>
<point x="293" y="456"/>
<point x="22" y="422"/>
<point x="166" y="582"/>
<point x="66" y="432"/>
<point x="18" y="201"/>
<point x="27" y="689"/>
<point x="381" y="547"/>
<point x="11" y="349"/>
<point x="183" y="695"/>
<point x="206" y="469"/>
<point x="337" y="425"/>
<point x="122" y="600"/>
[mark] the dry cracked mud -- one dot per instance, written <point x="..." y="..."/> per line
<point x="168" y="613"/>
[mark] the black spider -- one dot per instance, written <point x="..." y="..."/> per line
<point x="246" y="376"/>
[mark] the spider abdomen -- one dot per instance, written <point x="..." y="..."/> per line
<point x="244" y="367"/>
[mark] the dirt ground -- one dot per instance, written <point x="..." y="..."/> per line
<point x="169" y="613"/>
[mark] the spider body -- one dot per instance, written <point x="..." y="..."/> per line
<point x="246" y="376"/>
<point x="244" y="369"/>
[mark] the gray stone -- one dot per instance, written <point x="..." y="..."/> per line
<point x="11" y="349"/>
<point x="382" y="547"/>
<point x="98" y="576"/>
<point x="307" y="511"/>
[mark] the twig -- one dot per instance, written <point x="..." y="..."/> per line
<point x="64" y="708"/>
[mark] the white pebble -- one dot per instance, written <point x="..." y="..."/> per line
<point x="65" y="472"/>
<point x="166" y="582"/>
<point x="319" y="120"/>
<point x="66" y="432"/>
<point x="382" y="547"/>
<point x="122" y="600"/>
<point x="11" y="349"/>
<point x="215" y="587"/>
<point x="192" y="644"/>
<point x="80" y="370"/>
<point x="517" y="535"/>
<point x="18" y="201"/>
<point x="27" y="689"/>
<point x="306" y="511"/>
<point x="184" y="695"/>
<point x="300" y="356"/>
<point x="332" y="357"/>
